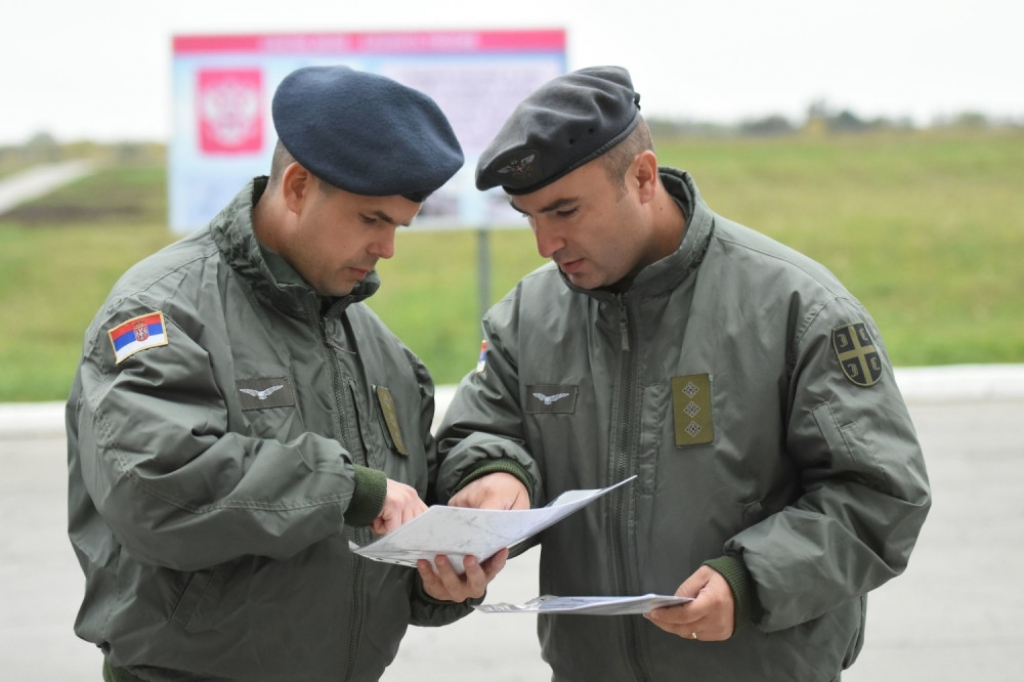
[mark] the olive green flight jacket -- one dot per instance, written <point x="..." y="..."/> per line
<point x="216" y="480"/>
<point x="750" y="394"/>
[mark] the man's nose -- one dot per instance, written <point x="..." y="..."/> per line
<point x="384" y="246"/>
<point x="549" y="241"/>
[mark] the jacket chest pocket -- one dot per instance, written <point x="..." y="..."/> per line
<point x="381" y="427"/>
<point x="676" y="430"/>
<point x="394" y="443"/>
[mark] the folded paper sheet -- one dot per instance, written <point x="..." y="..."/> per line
<point x="592" y="606"/>
<point x="458" y="532"/>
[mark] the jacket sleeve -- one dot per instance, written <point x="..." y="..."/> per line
<point x="430" y="612"/>
<point x="483" y="426"/>
<point x="175" y="485"/>
<point x="864" y="489"/>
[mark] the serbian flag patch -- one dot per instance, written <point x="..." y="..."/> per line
<point x="138" y="333"/>
<point x="481" y="364"/>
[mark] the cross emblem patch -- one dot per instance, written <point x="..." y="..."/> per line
<point x="858" y="357"/>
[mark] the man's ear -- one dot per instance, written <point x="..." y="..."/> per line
<point x="645" y="173"/>
<point x="296" y="186"/>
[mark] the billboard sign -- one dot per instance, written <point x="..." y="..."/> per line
<point x="223" y="134"/>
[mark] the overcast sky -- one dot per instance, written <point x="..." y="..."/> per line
<point x="101" y="69"/>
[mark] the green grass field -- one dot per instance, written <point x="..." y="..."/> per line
<point x="926" y="228"/>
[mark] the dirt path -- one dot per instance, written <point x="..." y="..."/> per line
<point x="39" y="180"/>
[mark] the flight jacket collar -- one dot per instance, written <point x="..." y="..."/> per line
<point x="272" y="279"/>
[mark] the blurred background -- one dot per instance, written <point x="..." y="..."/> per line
<point x="883" y="139"/>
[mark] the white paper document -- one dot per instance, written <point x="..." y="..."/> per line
<point x="458" y="532"/>
<point x="591" y="606"/>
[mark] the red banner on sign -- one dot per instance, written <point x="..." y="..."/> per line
<point x="420" y="42"/>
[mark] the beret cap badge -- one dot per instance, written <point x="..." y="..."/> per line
<point x="566" y="123"/>
<point x="520" y="168"/>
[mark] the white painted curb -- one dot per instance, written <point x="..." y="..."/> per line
<point x="961" y="383"/>
<point x="949" y="384"/>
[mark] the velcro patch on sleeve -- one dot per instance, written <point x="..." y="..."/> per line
<point x="481" y="363"/>
<point x="138" y="333"/>
<point x="858" y="357"/>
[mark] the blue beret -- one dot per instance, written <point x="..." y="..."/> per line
<point x="560" y="126"/>
<point x="365" y="133"/>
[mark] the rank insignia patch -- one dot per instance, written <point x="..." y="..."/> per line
<point x="691" y="410"/>
<point x="857" y="354"/>
<point x="138" y="333"/>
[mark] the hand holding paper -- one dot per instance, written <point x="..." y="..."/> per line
<point x="441" y="581"/>
<point x="710" y="618"/>
<point x="458" y="532"/>
<point x="494" y="491"/>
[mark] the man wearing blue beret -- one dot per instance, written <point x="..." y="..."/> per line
<point x="240" y="417"/>
<point x="778" y="475"/>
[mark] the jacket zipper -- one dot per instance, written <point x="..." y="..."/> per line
<point x="357" y="609"/>
<point x="620" y="526"/>
<point x="624" y="325"/>
<point x="346" y="438"/>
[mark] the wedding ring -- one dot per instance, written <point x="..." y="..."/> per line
<point x="693" y="634"/>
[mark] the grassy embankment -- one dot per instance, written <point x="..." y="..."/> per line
<point x="925" y="228"/>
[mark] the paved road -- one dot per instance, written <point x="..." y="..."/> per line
<point x="956" y="615"/>
<point x="39" y="180"/>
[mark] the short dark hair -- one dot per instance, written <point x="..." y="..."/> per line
<point x="279" y="163"/>
<point x="282" y="159"/>
<point x="618" y="159"/>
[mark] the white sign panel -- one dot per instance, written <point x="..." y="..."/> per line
<point x="223" y="86"/>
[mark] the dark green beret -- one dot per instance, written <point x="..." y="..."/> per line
<point x="562" y="125"/>
<point x="365" y="133"/>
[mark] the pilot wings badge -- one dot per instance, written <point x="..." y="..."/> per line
<point x="264" y="393"/>
<point x="519" y="169"/>
<point x="550" y="399"/>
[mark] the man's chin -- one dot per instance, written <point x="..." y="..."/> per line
<point x="337" y="290"/>
<point x="582" y="281"/>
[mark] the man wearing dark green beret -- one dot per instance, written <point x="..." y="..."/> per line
<point x="240" y="417"/>
<point x="778" y="475"/>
